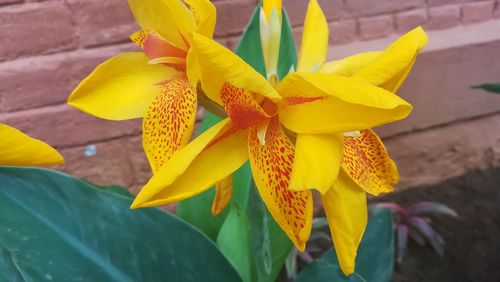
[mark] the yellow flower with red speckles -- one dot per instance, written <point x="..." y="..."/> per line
<point x="312" y="130"/>
<point x="152" y="84"/>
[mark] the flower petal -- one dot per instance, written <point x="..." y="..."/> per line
<point x="328" y="103"/>
<point x="268" y="5"/>
<point x="242" y="107"/>
<point x="391" y="68"/>
<point x="120" y="88"/>
<point x="314" y="39"/>
<point x="171" y="19"/>
<point x="169" y="121"/>
<point x="202" y="163"/>
<point x="366" y="161"/>
<point x="346" y="212"/>
<point x="271" y="165"/>
<point x="19" y="149"/>
<point x="317" y="161"/>
<point x="223" y="194"/>
<point x="350" y="65"/>
<point x="205" y="14"/>
<point x="155" y="46"/>
<point x="218" y="65"/>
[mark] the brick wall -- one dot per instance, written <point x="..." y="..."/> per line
<point x="47" y="47"/>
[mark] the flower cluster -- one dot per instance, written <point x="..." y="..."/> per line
<point x="309" y="131"/>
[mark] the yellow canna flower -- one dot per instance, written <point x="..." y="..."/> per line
<point x="152" y="84"/>
<point x="263" y="120"/>
<point x="365" y="164"/>
<point x="19" y="149"/>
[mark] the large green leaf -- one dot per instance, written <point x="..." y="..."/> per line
<point x="234" y="242"/>
<point x="375" y="259"/>
<point x="55" y="227"/>
<point x="490" y="87"/>
<point x="249" y="47"/>
<point x="270" y="244"/>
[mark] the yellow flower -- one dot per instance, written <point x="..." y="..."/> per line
<point x="152" y="84"/>
<point x="19" y="149"/>
<point x="365" y="164"/>
<point x="263" y="119"/>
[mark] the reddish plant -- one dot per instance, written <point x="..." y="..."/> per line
<point x="412" y="222"/>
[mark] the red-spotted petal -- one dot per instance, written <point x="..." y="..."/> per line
<point x="243" y="107"/>
<point x="223" y="194"/>
<point x="366" y="161"/>
<point x="271" y="166"/>
<point x="169" y="121"/>
<point x="155" y="46"/>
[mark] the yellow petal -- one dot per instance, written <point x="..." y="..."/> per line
<point x="328" y="103"/>
<point x="205" y="16"/>
<point x="270" y="37"/>
<point x="271" y="165"/>
<point x="317" y="161"/>
<point x="171" y="19"/>
<point x="155" y="46"/>
<point x="223" y="194"/>
<point x="193" y="68"/>
<point x="19" y="149"/>
<point x="205" y="161"/>
<point x="350" y="65"/>
<point x="169" y="121"/>
<point x="121" y="88"/>
<point x="314" y="39"/>
<point x="218" y="65"/>
<point x="346" y="212"/>
<point x="391" y="68"/>
<point x="268" y="5"/>
<point x="367" y="163"/>
<point x="242" y="107"/>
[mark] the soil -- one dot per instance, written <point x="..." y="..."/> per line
<point x="472" y="251"/>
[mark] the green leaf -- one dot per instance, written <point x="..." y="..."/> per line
<point x="234" y="242"/>
<point x="249" y="47"/>
<point x="8" y="270"/>
<point x="490" y="87"/>
<point x="288" y="53"/>
<point x="198" y="210"/>
<point x="270" y="244"/>
<point x="375" y="259"/>
<point x="55" y="227"/>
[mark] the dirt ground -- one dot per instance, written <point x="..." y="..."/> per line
<point x="472" y="241"/>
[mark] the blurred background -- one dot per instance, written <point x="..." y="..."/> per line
<point x="48" y="47"/>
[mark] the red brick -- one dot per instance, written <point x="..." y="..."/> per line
<point x="431" y="156"/>
<point x="477" y="12"/>
<point x="117" y="162"/>
<point x="47" y="80"/>
<point x="447" y="2"/>
<point x="297" y="36"/>
<point x="37" y="28"/>
<point x="3" y="2"/>
<point x="233" y="16"/>
<point x="406" y="21"/>
<point x="296" y="10"/>
<point x="373" y="7"/>
<point x="343" y="31"/>
<point x="63" y="126"/>
<point x="376" y="27"/>
<point x="443" y="17"/>
<point x="102" y="22"/>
